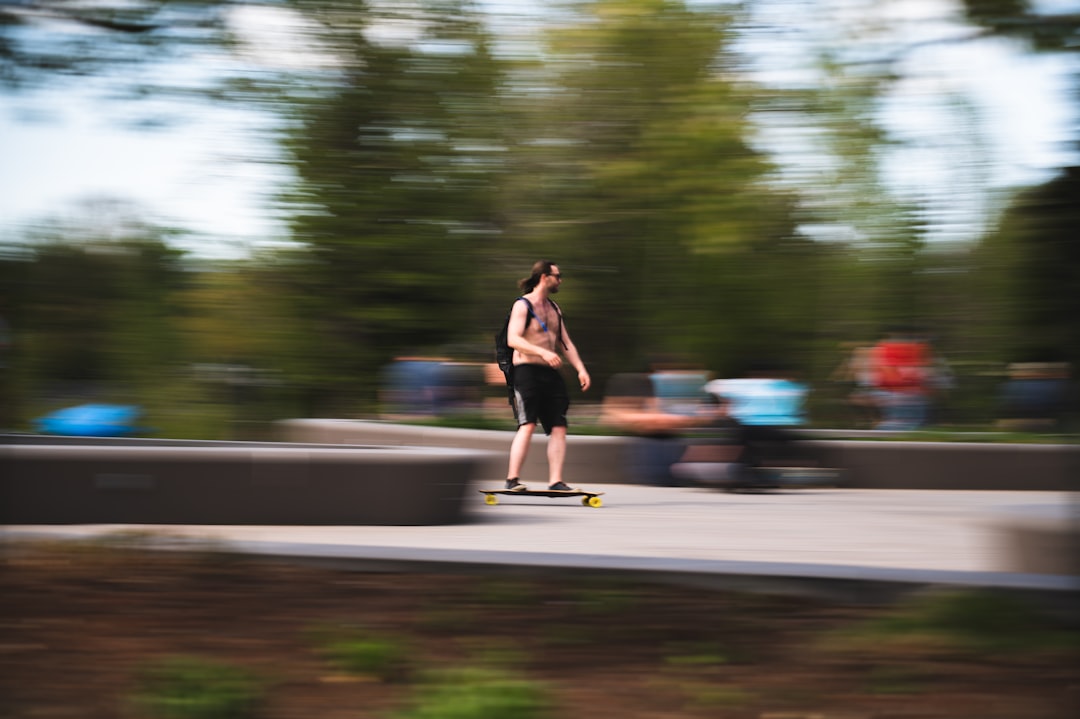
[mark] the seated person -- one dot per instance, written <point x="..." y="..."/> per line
<point x="631" y="405"/>
<point x="767" y="405"/>
<point x="716" y="454"/>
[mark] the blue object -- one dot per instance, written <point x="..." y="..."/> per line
<point x="759" y="401"/>
<point x="679" y="392"/>
<point x="91" y="420"/>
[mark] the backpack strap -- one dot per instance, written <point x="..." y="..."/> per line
<point x="530" y="315"/>
<point x="558" y="311"/>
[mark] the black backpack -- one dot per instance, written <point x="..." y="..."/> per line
<point x="504" y="354"/>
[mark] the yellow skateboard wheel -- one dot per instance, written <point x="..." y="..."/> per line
<point x="592" y="502"/>
<point x="490" y="499"/>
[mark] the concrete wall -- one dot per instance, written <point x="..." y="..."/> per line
<point x="953" y="465"/>
<point x="232" y="483"/>
<point x="867" y="464"/>
<point x="589" y="460"/>
<point x="1039" y="539"/>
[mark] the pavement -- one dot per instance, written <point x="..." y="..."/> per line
<point x="841" y="543"/>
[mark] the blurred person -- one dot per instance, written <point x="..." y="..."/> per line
<point x="903" y="379"/>
<point x="717" y="454"/>
<point x="536" y="332"/>
<point x="632" y="404"/>
<point x="1035" y="397"/>
<point x="460" y="389"/>
<point x="411" y="386"/>
<point x="679" y="386"/>
<point x="768" y="404"/>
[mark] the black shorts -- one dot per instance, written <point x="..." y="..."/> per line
<point x="540" y="396"/>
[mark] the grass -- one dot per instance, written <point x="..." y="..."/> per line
<point x="977" y="622"/>
<point x="696" y="654"/>
<point x="478" y="693"/>
<point x="187" y="687"/>
<point x="365" y="653"/>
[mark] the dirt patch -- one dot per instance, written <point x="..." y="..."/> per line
<point x="80" y="625"/>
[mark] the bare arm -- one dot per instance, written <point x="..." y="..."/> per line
<point x="570" y="350"/>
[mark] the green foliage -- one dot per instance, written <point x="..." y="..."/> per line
<point x="367" y="653"/>
<point x="474" y="693"/>
<point x="124" y="332"/>
<point x="695" y="654"/>
<point x="396" y="198"/>
<point x="1036" y="261"/>
<point x="432" y="171"/>
<point x="184" y="687"/>
<point x="648" y="192"/>
<point x="981" y="621"/>
<point x="500" y="592"/>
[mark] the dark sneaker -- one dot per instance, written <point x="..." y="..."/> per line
<point x="562" y="487"/>
<point x="515" y="485"/>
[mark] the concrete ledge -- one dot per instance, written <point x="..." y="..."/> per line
<point x="589" y="459"/>
<point x="1040" y="539"/>
<point x="952" y="465"/>
<point x="867" y="464"/>
<point x="831" y="582"/>
<point x="232" y="483"/>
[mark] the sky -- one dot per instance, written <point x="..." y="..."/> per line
<point x="207" y="168"/>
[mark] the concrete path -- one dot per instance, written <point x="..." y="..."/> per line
<point x="808" y="540"/>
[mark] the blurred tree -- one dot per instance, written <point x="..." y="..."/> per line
<point x="398" y="162"/>
<point x="95" y="37"/>
<point x="644" y="187"/>
<point x="1035" y="259"/>
<point x="1046" y="26"/>
<point x="624" y="150"/>
<point x="99" y="310"/>
<point x="824" y="115"/>
<point x="1031" y="263"/>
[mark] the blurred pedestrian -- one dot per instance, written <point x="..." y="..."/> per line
<point x="1035" y="398"/>
<point x="536" y="332"/>
<point x="902" y="375"/>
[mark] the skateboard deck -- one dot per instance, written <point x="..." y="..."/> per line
<point x="589" y="499"/>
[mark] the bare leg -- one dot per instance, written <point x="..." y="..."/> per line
<point x="556" y="454"/>
<point x="519" y="449"/>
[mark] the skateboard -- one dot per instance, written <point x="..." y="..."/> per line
<point x="589" y="499"/>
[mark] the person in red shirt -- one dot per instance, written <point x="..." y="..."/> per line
<point x="901" y="368"/>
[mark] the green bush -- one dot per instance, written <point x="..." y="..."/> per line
<point x="475" y="693"/>
<point x="382" y="657"/>
<point x="182" y="687"/>
<point x="978" y="620"/>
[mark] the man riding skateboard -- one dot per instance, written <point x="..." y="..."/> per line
<point x="536" y="333"/>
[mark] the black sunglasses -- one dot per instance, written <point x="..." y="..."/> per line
<point x="556" y="276"/>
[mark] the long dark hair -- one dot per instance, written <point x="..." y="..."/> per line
<point x="539" y="269"/>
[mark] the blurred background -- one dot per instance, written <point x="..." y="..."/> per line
<point x="228" y="213"/>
